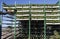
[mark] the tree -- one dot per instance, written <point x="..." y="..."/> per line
<point x="56" y="35"/>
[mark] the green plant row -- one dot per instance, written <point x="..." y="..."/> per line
<point x="32" y="8"/>
<point x="52" y="13"/>
<point x="37" y="8"/>
<point x="53" y="21"/>
<point x="33" y="5"/>
<point x="37" y="17"/>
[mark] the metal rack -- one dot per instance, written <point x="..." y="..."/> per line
<point x="28" y="24"/>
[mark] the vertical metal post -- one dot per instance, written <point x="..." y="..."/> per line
<point x="29" y="19"/>
<point x="59" y="8"/>
<point x="1" y="22"/>
<point x="44" y="22"/>
<point x="15" y="22"/>
<point x="0" y="26"/>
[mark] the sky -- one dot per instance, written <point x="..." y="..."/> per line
<point x="27" y="2"/>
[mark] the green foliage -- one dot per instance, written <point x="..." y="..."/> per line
<point x="55" y="36"/>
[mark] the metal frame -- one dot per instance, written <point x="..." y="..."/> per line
<point x="15" y="23"/>
<point x="0" y="25"/>
<point x="44" y="21"/>
<point x="30" y="21"/>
